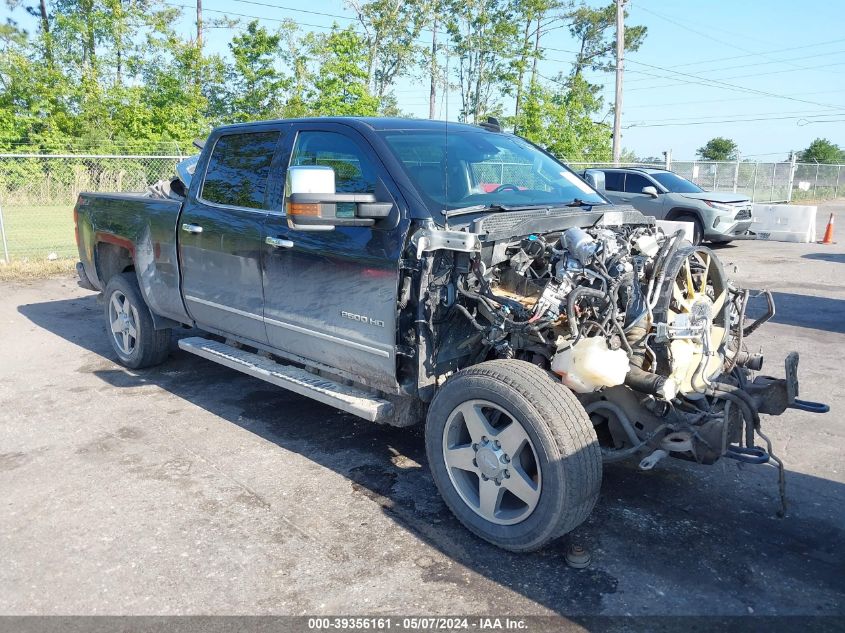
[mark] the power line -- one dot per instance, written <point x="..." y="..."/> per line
<point x="675" y="82"/>
<point x="252" y="17"/>
<point x="708" y="36"/>
<point x="679" y="23"/>
<point x="779" y="61"/>
<point x="738" y="114"/>
<point x="704" y="81"/>
<point x="769" y="52"/>
<point x="723" y="84"/>
<point x="308" y="11"/>
<point x="664" y="104"/>
<point x="692" y="79"/>
<point x="751" y="120"/>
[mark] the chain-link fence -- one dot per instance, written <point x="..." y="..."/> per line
<point x="37" y="194"/>
<point x="760" y="182"/>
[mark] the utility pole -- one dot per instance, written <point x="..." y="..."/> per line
<point x="432" y="88"/>
<point x="199" y="24"/>
<point x="620" y="61"/>
<point x="793" y="159"/>
<point x="45" y="27"/>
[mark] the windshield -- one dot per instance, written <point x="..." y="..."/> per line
<point x="674" y="183"/>
<point x="463" y="168"/>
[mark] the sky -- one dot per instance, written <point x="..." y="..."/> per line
<point x="769" y="74"/>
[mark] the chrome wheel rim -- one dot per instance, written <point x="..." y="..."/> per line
<point x="491" y="462"/>
<point x="123" y="322"/>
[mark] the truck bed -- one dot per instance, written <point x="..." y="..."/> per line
<point x="135" y="230"/>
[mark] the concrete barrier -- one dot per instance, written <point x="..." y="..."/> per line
<point x="670" y="226"/>
<point x="784" y="222"/>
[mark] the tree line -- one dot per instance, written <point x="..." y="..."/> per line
<point x="117" y="76"/>
<point x="821" y="150"/>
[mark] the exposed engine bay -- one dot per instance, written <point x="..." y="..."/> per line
<point x="646" y="329"/>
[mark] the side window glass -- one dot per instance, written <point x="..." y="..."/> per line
<point x="239" y="168"/>
<point x="634" y="183"/>
<point x="354" y="172"/>
<point x="613" y="180"/>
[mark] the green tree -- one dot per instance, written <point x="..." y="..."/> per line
<point x="536" y="17"/>
<point x="822" y="150"/>
<point x="390" y="29"/>
<point x="628" y="156"/>
<point x="256" y="88"/>
<point x="595" y="31"/>
<point x="718" y="148"/>
<point x="485" y="39"/>
<point x="562" y="120"/>
<point x="339" y="84"/>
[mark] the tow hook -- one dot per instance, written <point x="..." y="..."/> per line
<point x="808" y="405"/>
<point x="748" y="454"/>
<point x="650" y="462"/>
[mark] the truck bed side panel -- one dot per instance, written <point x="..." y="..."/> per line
<point x="147" y="227"/>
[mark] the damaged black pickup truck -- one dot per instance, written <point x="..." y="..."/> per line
<point x="416" y="270"/>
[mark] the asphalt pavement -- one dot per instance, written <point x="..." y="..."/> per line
<point x="192" y="489"/>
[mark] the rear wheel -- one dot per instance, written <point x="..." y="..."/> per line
<point x="130" y="327"/>
<point x="513" y="453"/>
<point x="697" y="228"/>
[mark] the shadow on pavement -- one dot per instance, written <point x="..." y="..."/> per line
<point x="679" y="539"/>
<point x="836" y="258"/>
<point x="720" y="246"/>
<point x="807" y="311"/>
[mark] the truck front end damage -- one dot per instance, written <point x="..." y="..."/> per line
<point x="644" y="327"/>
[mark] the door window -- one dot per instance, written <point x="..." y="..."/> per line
<point x="239" y="168"/>
<point x="634" y="183"/>
<point x="353" y="170"/>
<point x="613" y="180"/>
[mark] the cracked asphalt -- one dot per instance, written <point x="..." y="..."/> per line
<point x="192" y="489"/>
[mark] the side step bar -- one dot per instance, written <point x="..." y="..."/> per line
<point x="343" y="397"/>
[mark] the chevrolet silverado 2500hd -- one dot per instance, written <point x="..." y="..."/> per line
<point x="417" y="270"/>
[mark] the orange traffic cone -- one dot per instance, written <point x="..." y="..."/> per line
<point x="828" y="232"/>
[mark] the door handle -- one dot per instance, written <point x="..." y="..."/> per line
<point x="192" y="228"/>
<point x="278" y="242"/>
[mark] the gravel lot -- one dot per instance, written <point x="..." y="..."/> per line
<point x="191" y="489"/>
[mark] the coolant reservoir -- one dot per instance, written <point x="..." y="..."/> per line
<point x="590" y="365"/>
<point x="647" y="245"/>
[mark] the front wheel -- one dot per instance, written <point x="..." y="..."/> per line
<point x="513" y="453"/>
<point x="130" y="327"/>
<point x="697" y="228"/>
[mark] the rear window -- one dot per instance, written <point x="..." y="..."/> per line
<point x="613" y="180"/>
<point x="238" y="169"/>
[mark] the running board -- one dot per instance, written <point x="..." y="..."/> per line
<point x="343" y="397"/>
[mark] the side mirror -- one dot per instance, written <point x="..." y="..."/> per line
<point x="595" y="178"/>
<point x="313" y="205"/>
<point x="651" y="191"/>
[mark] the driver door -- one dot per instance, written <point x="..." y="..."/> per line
<point x="330" y="296"/>
<point x="644" y="203"/>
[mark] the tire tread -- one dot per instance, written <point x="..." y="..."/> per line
<point x="573" y="435"/>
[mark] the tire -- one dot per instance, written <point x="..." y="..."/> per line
<point x="130" y="327"/>
<point x="556" y="470"/>
<point x="697" y="228"/>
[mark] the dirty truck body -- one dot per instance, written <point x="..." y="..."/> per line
<point x="409" y="271"/>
